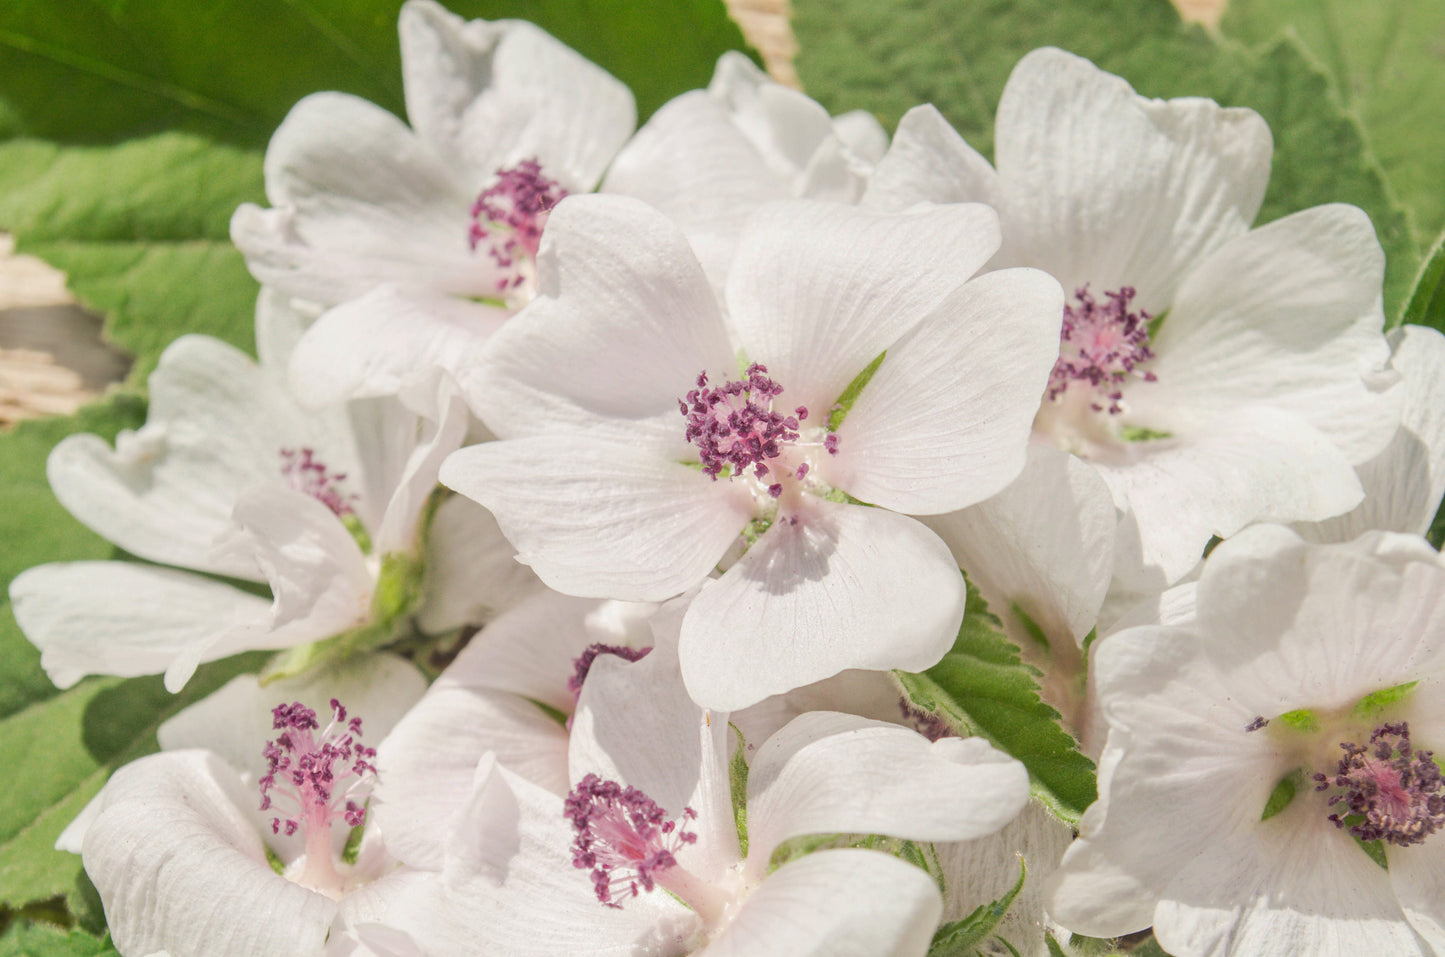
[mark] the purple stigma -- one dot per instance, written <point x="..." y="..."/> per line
<point x="1100" y="345"/>
<point x="1386" y="791"/>
<point x="623" y="837"/>
<point x="306" y="474"/>
<point x="734" y="427"/>
<point x="317" y="772"/>
<point x="510" y="214"/>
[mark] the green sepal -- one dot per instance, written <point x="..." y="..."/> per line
<point x="1135" y="433"/>
<point x="1374" y="850"/>
<point x="738" y="787"/>
<point x="1283" y="794"/>
<point x="1301" y="719"/>
<point x="961" y="938"/>
<point x="1372" y="704"/>
<point x="352" y="848"/>
<point x="274" y="859"/>
<point x="839" y="411"/>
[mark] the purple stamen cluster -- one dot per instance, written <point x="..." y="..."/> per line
<point x="1100" y="345"/>
<point x="926" y="723"/>
<point x="734" y="426"/>
<point x="308" y="768"/>
<point x="582" y="664"/>
<point x="510" y="215"/>
<point x="306" y="474"/>
<point x="623" y="837"/>
<point x="1389" y="791"/>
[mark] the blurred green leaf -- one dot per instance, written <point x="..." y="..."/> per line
<point x="95" y="71"/>
<point x="42" y="940"/>
<point x="983" y="687"/>
<point x="1387" y="58"/>
<point x="57" y="753"/>
<point x="957" y="54"/>
<point x="142" y="230"/>
<point x="1426" y="305"/>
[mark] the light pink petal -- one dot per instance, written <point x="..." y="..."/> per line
<point x="1102" y="186"/>
<point x="488" y="95"/>
<point x="841" y="903"/>
<point x="600" y="519"/>
<point x="818" y="290"/>
<point x="623" y="323"/>
<point x="845" y="586"/>
<point x="945" y="420"/>
<point x="827" y="772"/>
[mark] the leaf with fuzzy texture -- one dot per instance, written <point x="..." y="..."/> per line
<point x="43" y="940"/>
<point x="983" y="687"/>
<point x="957" y="54"/>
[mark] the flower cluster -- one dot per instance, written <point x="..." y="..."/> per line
<point x="719" y="553"/>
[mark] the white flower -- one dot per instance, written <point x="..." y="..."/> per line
<point x="1254" y="745"/>
<point x="213" y="849"/>
<point x="638" y="452"/>
<point x="405" y="228"/>
<point x="1215" y="376"/>
<point x="709" y="158"/>
<point x="651" y="807"/>
<point x="230" y="477"/>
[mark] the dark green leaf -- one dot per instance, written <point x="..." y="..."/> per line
<point x="957" y="55"/>
<point x="961" y="938"/>
<point x="983" y="687"/>
<point x="90" y="71"/>
<point x="1426" y="305"/>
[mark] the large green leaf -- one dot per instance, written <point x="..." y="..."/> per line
<point x="59" y="751"/>
<point x="41" y="940"/>
<point x="142" y="230"/>
<point x="983" y="687"/>
<point x="957" y="54"/>
<point x="103" y="70"/>
<point x="1387" y="58"/>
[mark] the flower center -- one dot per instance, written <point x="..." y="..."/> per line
<point x="630" y="845"/>
<point x="306" y="474"/>
<point x="1386" y="791"/>
<point x="508" y="218"/>
<point x="1101" y="344"/>
<point x="318" y="774"/>
<point x="735" y="428"/>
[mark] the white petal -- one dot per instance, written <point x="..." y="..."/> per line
<point x="359" y="200"/>
<point x="1403" y="484"/>
<point x="623" y="324"/>
<point x="595" y="518"/>
<point x="180" y="868"/>
<point x="438" y="434"/>
<point x="488" y="95"/>
<point x="1258" y="465"/>
<point x="861" y="132"/>
<point x="471" y="569"/>
<point x="427" y="766"/>
<point x="1105" y="187"/>
<point x="1417" y="875"/>
<point x="827" y="772"/>
<point x="376" y="344"/>
<point x="531" y="649"/>
<point x="844" y="587"/>
<point x="818" y="290"/>
<point x="944" y="421"/>
<point x="1044" y="544"/>
<point x="636" y="725"/>
<point x="510" y="862"/>
<point x="691" y="161"/>
<point x="928" y="162"/>
<point x="1288" y="316"/>
<point x="216" y="424"/>
<point x="126" y="619"/>
<point x="841" y="903"/>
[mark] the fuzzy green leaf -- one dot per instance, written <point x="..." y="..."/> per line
<point x="93" y="71"/>
<point x="983" y="687"/>
<point x="962" y="938"/>
<point x="44" y="940"/>
<point x="957" y="54"/>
